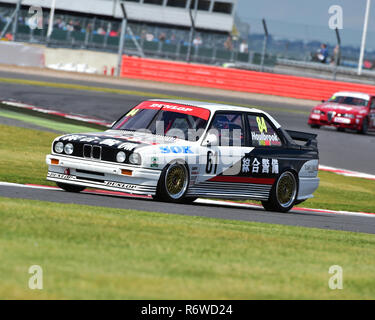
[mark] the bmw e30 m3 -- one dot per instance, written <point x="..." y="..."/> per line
<point x="179" y="150"/>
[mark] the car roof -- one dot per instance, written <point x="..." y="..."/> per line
<point x="217" y="107"/>
<point x="208" y="105"/>
<point x="358" y="95"/>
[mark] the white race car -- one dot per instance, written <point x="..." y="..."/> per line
<point x="179" y="150"/>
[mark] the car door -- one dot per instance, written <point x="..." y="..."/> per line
<point x="254" y="165"/>
<point x="224" y="157"/>
<point x="272" y="154"/>
<point x="262" y="164"/>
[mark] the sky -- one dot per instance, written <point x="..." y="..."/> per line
<point x="308" y="18"/>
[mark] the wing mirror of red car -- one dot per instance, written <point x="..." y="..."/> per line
<point x="323" y="101"/>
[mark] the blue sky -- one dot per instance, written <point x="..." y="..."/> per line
<point x="308" y="18"/>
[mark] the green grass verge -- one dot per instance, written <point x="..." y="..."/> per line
<point x="49" y="116"/>
<point x="100" y="253"/>
<point x="131" y="93"/>
<point x="45" y="123"/>
<point x="23" y="151"/>
<point x="22" y="154"/>
<point x="343" y="193"/>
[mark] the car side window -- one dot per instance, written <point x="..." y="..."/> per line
<point x="229" y="128"/>
<point x="262" y="133"/>
<point x="372" y="106"/>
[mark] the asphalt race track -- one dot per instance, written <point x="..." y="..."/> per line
<point x="347" y="150"/>
<point x="364" y="224"/>
<point x="342" y="150"/>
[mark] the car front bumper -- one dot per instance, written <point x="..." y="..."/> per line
<point x="338" y="122"/>
<point x="102" y="175"/>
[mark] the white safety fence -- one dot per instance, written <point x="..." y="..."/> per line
<point x="21" y="55"/>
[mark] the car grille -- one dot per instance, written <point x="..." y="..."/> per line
<point x="87" y="150"/>
<point x="92" y="152"/>
<point x="96" y="152"/>
<point x="330" y="115"/>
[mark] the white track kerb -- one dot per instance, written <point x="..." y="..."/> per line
<point x="199" y="201"/>
<point x="347" y="173"/>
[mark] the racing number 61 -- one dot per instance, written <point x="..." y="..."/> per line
<point x="212" y="159"/>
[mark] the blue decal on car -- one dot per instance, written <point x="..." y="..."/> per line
<point x="164" y="150"/>
<point x="176" y="149"/>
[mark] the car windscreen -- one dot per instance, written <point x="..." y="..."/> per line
<point x="135" y="119"/>
<point x="349" y="101"/>
<point x="184" y="122"/>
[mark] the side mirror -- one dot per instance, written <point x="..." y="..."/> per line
<point x="210" y="140"/>
<point x="323" y="101"/>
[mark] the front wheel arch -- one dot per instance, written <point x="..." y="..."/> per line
<point x="364" y="129"/>
<point x="162" y="193"/>
<point x="70" y="187"/>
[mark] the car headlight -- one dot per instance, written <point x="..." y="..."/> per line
<point x="135" y="158"/>
<point x="316" y="111"/>
<point x="69" y="148"/>
<point x="121" y="156"/>
<point x="59" y="147"/>
<point x="349" y="115"/>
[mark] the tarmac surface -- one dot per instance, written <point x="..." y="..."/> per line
<point x="346" y="150"/>
<point x="343" y="222"/>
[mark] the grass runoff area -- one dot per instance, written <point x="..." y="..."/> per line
<point x="98" y="253"/>
<point x="45" y="122"/>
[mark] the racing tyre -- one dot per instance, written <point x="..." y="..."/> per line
<point x="156" y="197"/>
<point x="283" y="193"/>
<point x="297" y="202"/>
<point x="315" y="126"/>
<point x="364" y="127"/>
<point x="70" y="187"/>
<point x="173" y="184"/>
<point x="189" y="200"/>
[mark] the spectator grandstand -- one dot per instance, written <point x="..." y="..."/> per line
<point x="160" y="27"/>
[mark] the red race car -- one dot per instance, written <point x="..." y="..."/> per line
<point x="345" y="110"/>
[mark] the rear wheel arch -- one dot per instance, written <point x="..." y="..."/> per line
<point x="273" y="203"/>
<point x="296" y="175"/>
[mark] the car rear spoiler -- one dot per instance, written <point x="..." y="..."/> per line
<point x="309" y="138"/>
